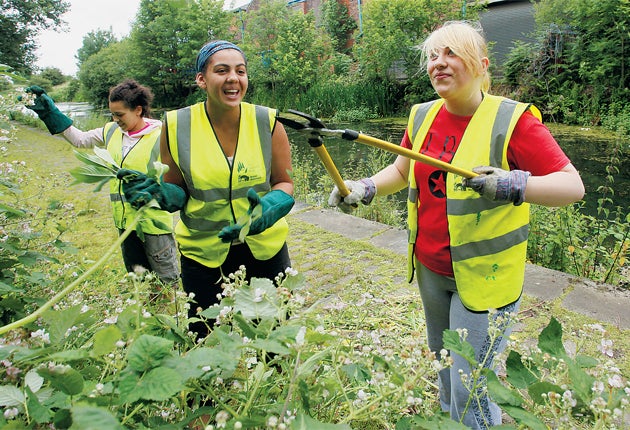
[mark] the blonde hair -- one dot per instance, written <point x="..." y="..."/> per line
<point x="466" y="40"/>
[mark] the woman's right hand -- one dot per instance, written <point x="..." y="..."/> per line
<point x="360" y="191"/>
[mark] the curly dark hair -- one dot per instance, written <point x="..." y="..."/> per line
<point x="133" y="94"/>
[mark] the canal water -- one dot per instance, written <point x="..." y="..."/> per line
<point x="588" y="149"/>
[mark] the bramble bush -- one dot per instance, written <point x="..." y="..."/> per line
<point x="103" y="354"/>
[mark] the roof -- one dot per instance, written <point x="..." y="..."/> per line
<point x="234" y="5"/>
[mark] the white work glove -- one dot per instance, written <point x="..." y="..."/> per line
<point x="497" y="184"/>
<point x="360" y="191"/>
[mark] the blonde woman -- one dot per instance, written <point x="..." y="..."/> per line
<point x="468" y="237"/>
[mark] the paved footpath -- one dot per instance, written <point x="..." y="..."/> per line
<point x="600" y="302"/>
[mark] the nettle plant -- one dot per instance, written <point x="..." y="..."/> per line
<point x="100" y="354"/>
<point x="258" y="368"/>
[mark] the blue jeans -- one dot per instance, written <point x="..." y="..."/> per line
<point x="443" y="310"/>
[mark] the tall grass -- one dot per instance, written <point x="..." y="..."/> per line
<point x="335" y="97"/>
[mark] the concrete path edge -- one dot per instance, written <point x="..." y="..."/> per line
<point x="599" y="301"/>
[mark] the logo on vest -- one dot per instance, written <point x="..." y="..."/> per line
<point x="246" y="175"/>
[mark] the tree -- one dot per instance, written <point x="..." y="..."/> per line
<point x="103" y="70"/>
<point x="166" y="38"/>
<point x="393" y="28"/>
<point x="338" y="24"/>
<point x="54" y="75"/>
<point x="93" y="42"/>
<point x="285" y="49"/>
<point x="578" y="70"/>
<point x="20" y="23"/>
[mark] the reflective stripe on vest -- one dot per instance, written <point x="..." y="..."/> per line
<point x="141" y="158"/>
<point x="488" y="239"/>
<point x="218" y="188"/>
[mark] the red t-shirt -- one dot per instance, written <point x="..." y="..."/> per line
<point x="532" y="148"/>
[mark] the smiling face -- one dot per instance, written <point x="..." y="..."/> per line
<point x="128" y="119"/>
<point x="224" y="79"/>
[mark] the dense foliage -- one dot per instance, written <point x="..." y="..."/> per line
<point x="578" y="71"/>
<point x="20" y="22"/>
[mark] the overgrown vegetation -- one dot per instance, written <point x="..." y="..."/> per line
<point x="328" y="347"/>
<point x="577" y="71"/>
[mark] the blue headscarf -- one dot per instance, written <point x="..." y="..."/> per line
<point x="210" y="48"/>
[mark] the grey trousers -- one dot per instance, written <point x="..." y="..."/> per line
<point x="158" y="253"/>
<point x="443" y="310"/>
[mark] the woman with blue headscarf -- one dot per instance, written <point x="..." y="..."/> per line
<point x="226" y="157"/>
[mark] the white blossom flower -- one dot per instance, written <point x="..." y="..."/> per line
<point x="259" y="295"/>
<point x="41" y="334"/>
<point x="221" y="419"/>
<point x="615" y="381"/>
<point x="11" y="413"/>
<point x="568" y="399"/>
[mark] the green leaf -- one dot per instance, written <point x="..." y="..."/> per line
<point x="11" y="211"/>
<point x="96" y="160"/>
<point x="159" y="384"/>
<point x="581" y="382"/>
<point x="270" y="345"/>
<point x="68" y="355"/>
<point x="524" y="418"/>
<point x="91" y="175"/>
<point x="453" y="342"/>
<point x="157" y="170"/>
<point x="36" y="411"/>
<point x="499" y="392"/>
<point x="440" y="421"/>
<point x="33" y="380"/>
<point x="104" y="155"/>
<point x="206" y="361"/>
<point x="11" y="396"/>
<point x="63" y="378"/>
<point x="147" y="352"/>
<point x="537" y="390"/>
<point x="258" y="300"/>
<point x="58" y="322"/>
<point x="104" y="341"/>
<point x="304" y="422"/>
<point x="246" y="327"/>
<point x="245" y="222"/>
<point x="517" y="374"/>
<point x="550" y="339"/>
<point x="356" y="372"/>
<point x="86" y="417"/>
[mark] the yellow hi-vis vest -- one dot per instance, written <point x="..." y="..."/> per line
<point x="488" y="240"/>
<point x="217" y="187"/>
<point x="140" y="158"/>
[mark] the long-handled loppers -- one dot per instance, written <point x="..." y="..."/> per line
<point x="317" y="129"/>
<point x="317" y="143"/>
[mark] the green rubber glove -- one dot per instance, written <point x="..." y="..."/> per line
<point x="275" y="205"/>
<point x="139" y="190"/>
<point x="45" y="108"/>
